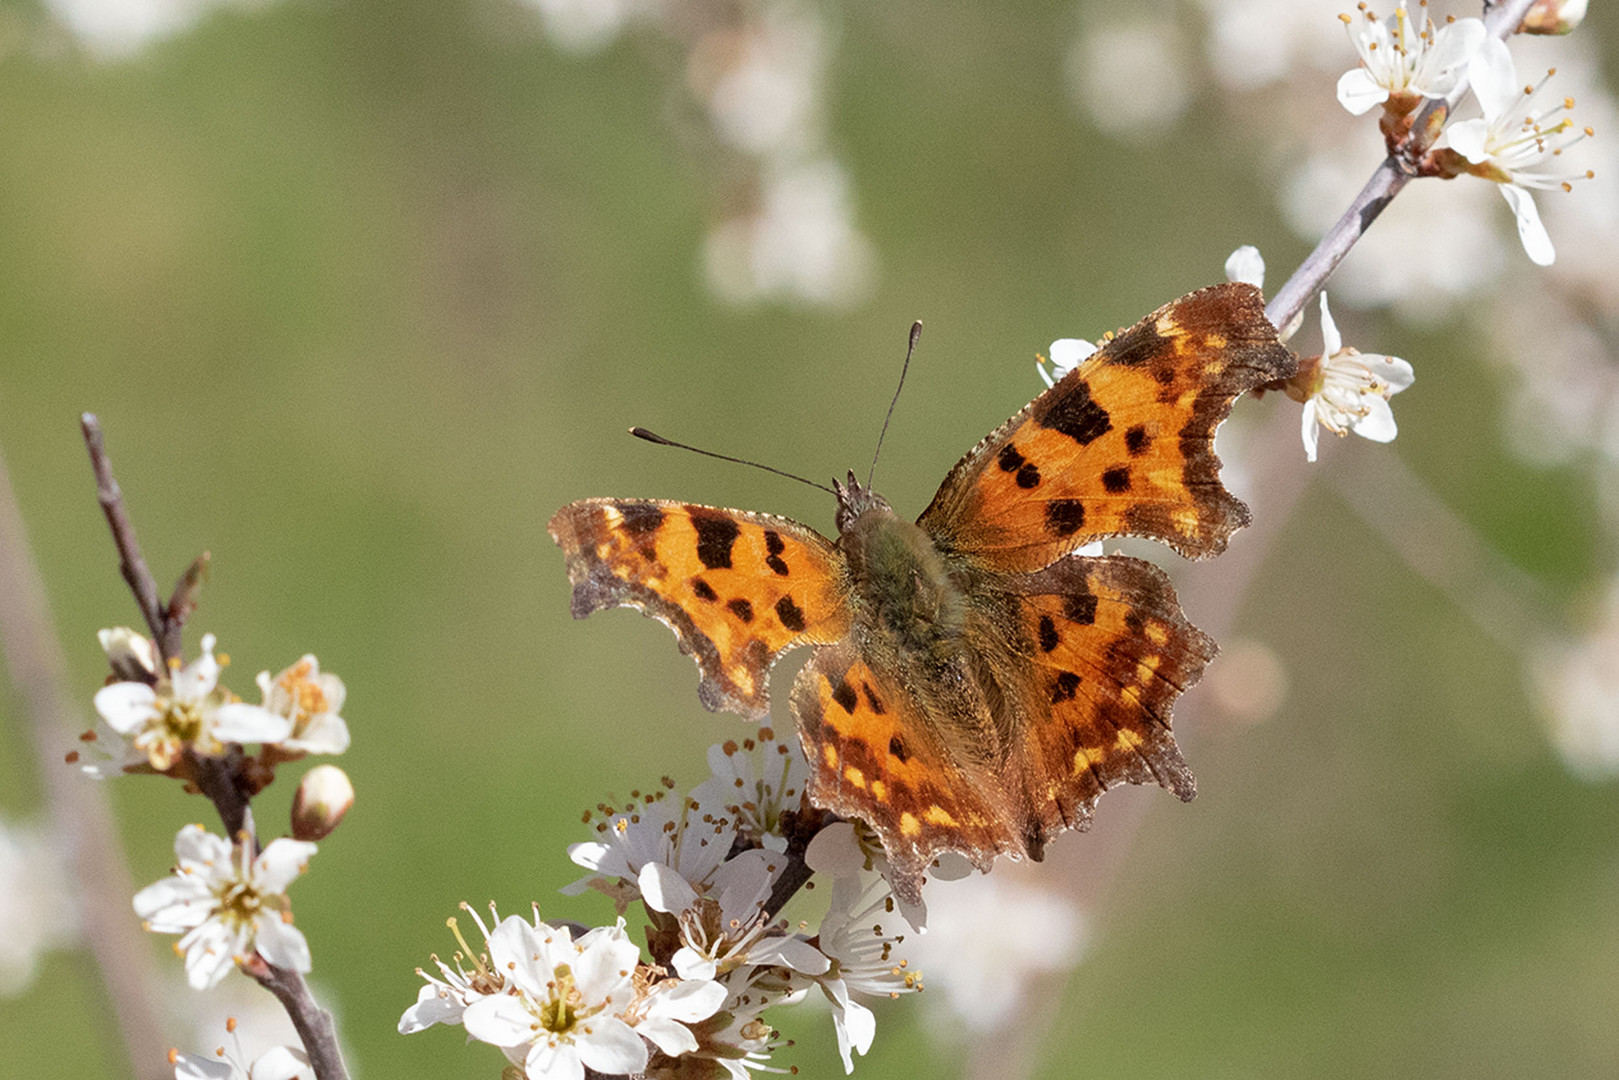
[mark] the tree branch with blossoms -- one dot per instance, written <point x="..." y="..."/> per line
<point x="716" y="866"/>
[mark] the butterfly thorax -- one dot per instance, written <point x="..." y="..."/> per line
<point x="908" y="604"/>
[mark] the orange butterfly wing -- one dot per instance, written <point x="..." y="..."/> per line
<point x="1111" y="651"/>
<point x="1122" y="445"/>
<point x="738" y="589"/>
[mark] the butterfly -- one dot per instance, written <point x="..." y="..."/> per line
<point x="975" y="684"/>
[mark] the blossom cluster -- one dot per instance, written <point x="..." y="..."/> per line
<point x="706" y="867"/>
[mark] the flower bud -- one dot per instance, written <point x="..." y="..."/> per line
<point x="132" y="657"/>
<point x="1553" y="16"/>
<point x="324" y="796"/>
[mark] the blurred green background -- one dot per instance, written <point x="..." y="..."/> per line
<point x="363" y="291"/>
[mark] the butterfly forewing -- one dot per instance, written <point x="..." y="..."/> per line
<point x="1122" y="445"/>
<point x="738" y="589"/>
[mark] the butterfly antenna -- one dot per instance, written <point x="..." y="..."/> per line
<point x="916" y="335"/>
<point x="651" y="437"/>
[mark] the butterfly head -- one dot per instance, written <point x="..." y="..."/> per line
<point x="854" y="499"/>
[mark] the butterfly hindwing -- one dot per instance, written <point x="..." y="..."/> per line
<point x="1122" y="445"/>
<point x="1111" y="652"/>
<point x="875" y="757"/>
<point x="737" y="588"/>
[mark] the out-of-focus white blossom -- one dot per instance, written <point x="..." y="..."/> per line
<point x="228" y="904"/>
<point x="1554" y="16"/>
<point x="1513" y="142"/>
<point x="1402" y="62"/>
<point x="1578" y="681"/>
<point x="799" y="242"/>
<point x="1131" y="79"/>
<point x="585" y="26"/>
<point x="117" y="29"/>
<point x="1345" y="390"/>
<point x="989" y="937"/>
<point x="38" y="908"/>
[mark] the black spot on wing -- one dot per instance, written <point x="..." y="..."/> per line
<point x="872" y="699"/>
<point x="741" y="609"/>
<point x="774" y="546"/>
<point x="1076" y="415"/>
<point x="1028" y="476"/>
<point x="715" y="536"/>
<point x="897" y="748"/>
<point x="790" y="614"/>
<point x="640" y="519"/>
<point x="1137" y="441"/>
<point x="1117" y="480"/>
<point x="1065" y="688"/>
<point x="1065" y="517"/>
<point x="704" y="590"/>
<point x="845" y="696"/>
<point x="1009" y="459"/>
<point x="1138" y="345"/>
<point x="1048" y="634"/>
<point x="1080" y="608"/>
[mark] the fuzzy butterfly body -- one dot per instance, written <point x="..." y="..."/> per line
<point x="975" y="685"/>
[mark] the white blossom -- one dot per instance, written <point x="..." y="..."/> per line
<point x="1065" y="355"/>
<point x="1513" y="142"/>
<point x="854" y="938"/>
<point x="1346" y="390"/>
<point x="186" y="709"/>
<point x="39" y="907"/>
<point x="1246" y="264"/>
<point x="228" y="904"/>
<point x="726" y="926"/>
<point x="1405" y="60"/>
<point x="756" y="783"/>
<point x="559" y="1013"/>
<point x="310" y="699"/>
<point x="444" y="1001"/>
<point x="275" y="1063"/>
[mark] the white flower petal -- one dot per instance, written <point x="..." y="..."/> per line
<point x="835" y="851"/>
<point x="1068" y="353"/>
<point x="1331" y="341"/>
<point x="1378" y="422"/>
<point x="691" y="964"/>
<point x="282" y="944"/>
<point x="1494" y="78"/>
<point x="500" y="1020"/>
<point x="279" y="1063"/>
<point x="665" y="890"/>
<point x="280" y="864"/>
<point x="434" y="1005"/>
<point x="195" y="846"/>
<point x="612" y="1047"/>
<point x="209" y="953"/>
<point x="689" y="1001"/>
<point x="126" y="706"/>
<point x="548" y="1061"/>
<point x="1536" y="243"/>
<point x="1469" y="138"/>
<point x="1359" y="91"/>
<point x="790" y="952"/>
<point x="604" y="970"/>
<point x="175" y="904"/>
<point x="1310" y="433"/>
<point x="241" y="723"/>
<point x="194" y="1067"/>
<point x="1246" y="264"/>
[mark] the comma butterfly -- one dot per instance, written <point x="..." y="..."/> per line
<point x="975" y="685"/>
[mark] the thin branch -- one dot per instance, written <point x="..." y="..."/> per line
<point x="78" y="810"/>
<point x="130" y="562"/>
<point x="314" y="1024"/>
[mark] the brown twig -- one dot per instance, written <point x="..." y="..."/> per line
<point x="314" y="1024"/>
<point x="130" y="562"/>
